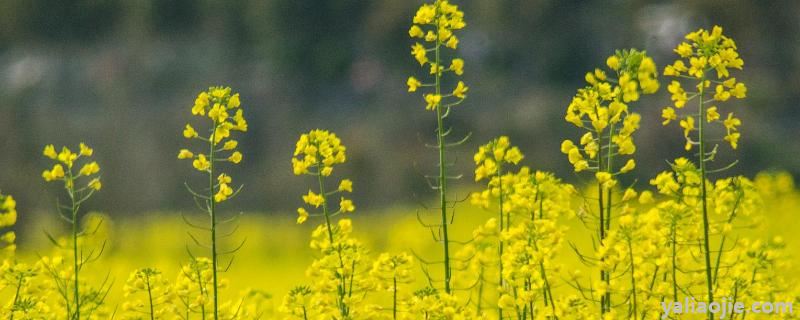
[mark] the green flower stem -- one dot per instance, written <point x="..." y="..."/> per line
<point x="503" y="227"/>
<point x="341" y="286"/>
<point x="442" y="166"/>
<point x="212" y="212"/>
<point x="704" y="194"/>
<point x="150" y="296"/>
<point x="76" y="262"/>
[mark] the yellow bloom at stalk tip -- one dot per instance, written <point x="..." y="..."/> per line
<point x="319" y="150"/>
<point x="413" y="84"/>
<point x="189" y="132"/>
<point x="235" y="157"/>
<point x="185" y="154"/>
<point x="346" y="205"/>
<point x="613" y="62"/>
<point x="346" y="185"/>
<point x="460" y="90"/>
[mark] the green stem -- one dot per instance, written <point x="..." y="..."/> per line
<point x="500" y="238"/>
<point x="704" y="194"/>
<point x="341" y="288"/>
<point x="633" y="278"/>
<point x="394" y="298"/>
<point x="442" y="167"/>
<point x="213" y="213"/>
<point x="16" y="295"/>
<point x="150" y="296"/>
<point x="76" y="262"/>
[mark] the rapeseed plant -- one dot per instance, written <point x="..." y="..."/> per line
<point x="339" y="273"/>
<point x="601" y="109"/>
<point x="709" y="55"/>
<point x="220" y="109"/>
<point x="435" y="25"/>
<point x="83" y="300"/>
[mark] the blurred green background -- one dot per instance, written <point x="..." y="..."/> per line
<point x="122" y="75"/>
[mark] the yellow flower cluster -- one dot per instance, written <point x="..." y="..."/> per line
<point x="435" y="25"/>
<point x="705" y="51"/>
<point x="147" y="292"/>
<point x="392" y="269"/>
<point x="602" y="110"/>
<point x="429" y="303"/>
<point x="491" y="157"/>
<point x="68" y="158"/>
<point x="315" y="154"/>
<point x="218" y="105"/>
<point x="320" y="150"/>
<point x="194" y="287"/>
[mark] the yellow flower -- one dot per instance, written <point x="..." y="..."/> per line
<point x="415" y="32"/>
<point x="712" y="114"/>
<point x="50" y="152"/>
<point x="687" y="125"/>
<point x="235" y="157"/>
<point x="731" y="122"/>
<point x="54" y="174"/>
<point x="684" y="50"/>
<point x="668" y="114"/>
<point x="413" y="84"/>
<point x="95" y="184"/>
<point x="302" y="215"/>
<point x="224" y="192"/>
<point x="346" y="185"/>
<point x="185" y="154"/>
<point x="733" y="138"/>
<point x="605" y="179"/>
<point x="89" y="169"/>
<point x="419" y="53"/>
<point x="189" y="132"/>
<point x="630" y="165"/>
<point x="230" y="145"/>
<point x="233" y="101"/>
<point x="433" y="101"/>
<point x="613" y="62"/>
<point x="224" y="178"/>
<point x="201" y="163"/>
<point x="457" y="66"/>
<point x="67" y="157"/>
<point x="460" y="90"/>
<point x="313" y="199"/>
<point x="452" y="43"/>
<point x="346" y="205"/>
<point x="200" y="104"/>
<point x="85" y="150"/>
<point x="721" y="94"/>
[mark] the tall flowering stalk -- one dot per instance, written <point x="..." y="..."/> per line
<point x="335" y="272"/>
<point x="709" y="56"/>
<point x="148" y="293"/>
<point x="221" y="112"/>
<point x="434" y="24"/>
<point x="601" y="109"/>
<point x="79" y="185"/>
<point x="491" y="161"/>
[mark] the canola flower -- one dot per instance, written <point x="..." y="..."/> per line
<point x="602" y="110"/>
<point x="8" y="218"/>
<point x="433" y="29"/>
<point x="390" y="271"/>
<point x="79" y="190"/>
<point x="338" y="284"/>
<point x="222" y="115"/>
<point x="706" y="59"/>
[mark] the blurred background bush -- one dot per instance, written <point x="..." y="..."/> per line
<point x="122" y="75"/>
